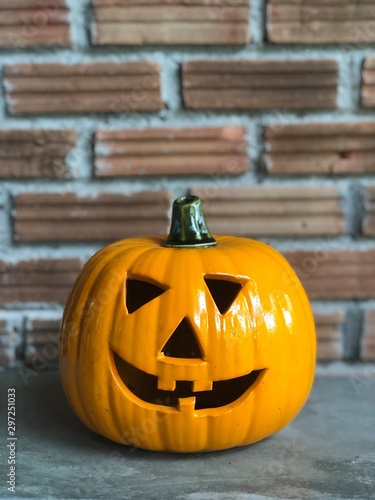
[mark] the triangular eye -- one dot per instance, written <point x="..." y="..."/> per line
<point x="223" y="292"/>
<point x="139" y="293"/>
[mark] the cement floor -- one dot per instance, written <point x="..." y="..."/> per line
<point x="328" y="452"/>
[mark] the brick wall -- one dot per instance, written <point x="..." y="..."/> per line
<point x="111" y="107"/>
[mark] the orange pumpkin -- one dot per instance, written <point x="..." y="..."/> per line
<point x="187" y="344"/>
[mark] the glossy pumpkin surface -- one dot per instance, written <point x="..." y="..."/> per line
<point x="187" y="349"/>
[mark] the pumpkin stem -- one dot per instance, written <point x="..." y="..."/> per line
<point x="188" y="227"/>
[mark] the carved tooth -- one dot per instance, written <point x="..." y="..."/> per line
<point x="187" y="405"/>
<point x="202" y="385"/>
<point x="166" y="385"/>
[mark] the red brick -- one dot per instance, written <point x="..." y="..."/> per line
<point x="368" y="82"/>
<point x="35" y="153"/>
<point x="347" y="21"/>
<point x="33" y="23"/>
<point x="335" y="274"/>
<point x="82" y="88"/>
<point x="259" y="84"/>
<point x="368" y="338"/>
<point x="164" y="22"/>
<point x="368" y="228"/>
<point x="272" y="211"/>
<point x="42" y="343"/>
<point x="185" y="151"/>
<point x="320" y="148"/>
<point x="106" y="217"/>
<point x="330" y="345"/>
<point x="28" y="4"/>
<point x="44" y="280"/>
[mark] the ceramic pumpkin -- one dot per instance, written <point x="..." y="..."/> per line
<point x="188" y="343"/>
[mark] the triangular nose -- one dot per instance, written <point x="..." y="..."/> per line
<point x="183" y="343"/>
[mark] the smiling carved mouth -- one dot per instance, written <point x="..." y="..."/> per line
<point x="145" y="387"/>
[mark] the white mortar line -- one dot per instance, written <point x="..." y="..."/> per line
<point x="79" y="23"/>
<point x="258" y="21"/>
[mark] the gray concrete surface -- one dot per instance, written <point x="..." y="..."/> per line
<point x="328" y="452"/>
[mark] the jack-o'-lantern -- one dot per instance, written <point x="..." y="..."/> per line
<point x="188" y="343"/>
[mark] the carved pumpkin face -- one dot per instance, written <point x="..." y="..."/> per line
<point x="187" y="349"/>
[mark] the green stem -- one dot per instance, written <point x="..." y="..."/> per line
<point x="188" y="227"/>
